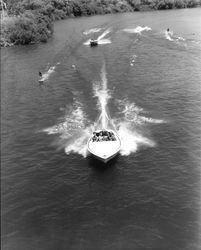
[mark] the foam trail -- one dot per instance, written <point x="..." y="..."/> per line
<point x="103" y="35"/>
<point x="75" y="129"/>
<point x="180" y="38"/>
<point x="131" y="127"/>
<point x="78" y="144"/>
<point x="104" y="97"/>
<point x="47" y="74"/>
<point x="133" y="114"/>
<point x="151" y="120"/>
<point x="102" y="93"/>
<point x="169" y="35"/>
<point x="100" y="38"/>
<point x="87" y="42"/>
<point x="72" y="130"/>
<point x="94" y="30"/>
<point x="131" y="139"/>
<point x="138" y="29"/>
<point x="104" y="41"/>
<point x="133" y="60"/>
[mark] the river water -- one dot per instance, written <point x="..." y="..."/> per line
<point x="55" y="195"/>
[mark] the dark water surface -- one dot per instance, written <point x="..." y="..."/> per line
<point x="54" y="196"/>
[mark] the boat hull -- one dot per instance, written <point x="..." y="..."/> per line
<point x="104" y="160"/>
<point x="104" y="150"/>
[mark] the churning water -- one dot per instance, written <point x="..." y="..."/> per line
<point x="140" y="80"/>
<point x="75" y="130"/>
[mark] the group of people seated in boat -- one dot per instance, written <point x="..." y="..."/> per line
<point x="103" y="136"/>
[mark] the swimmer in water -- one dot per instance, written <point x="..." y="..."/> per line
<point x="40" y="74"/>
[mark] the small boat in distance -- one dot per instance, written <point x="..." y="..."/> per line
<point x="104" y="144"/>
<point x="41" y="79"/>
<point x="93" y="43"/>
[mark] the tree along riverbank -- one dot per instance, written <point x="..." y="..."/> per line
<point x="31" y="21"/>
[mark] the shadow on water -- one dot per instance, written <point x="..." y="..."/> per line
<point x="101" y="166"/>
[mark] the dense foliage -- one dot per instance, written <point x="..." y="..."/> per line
<point x="30" y="21"/>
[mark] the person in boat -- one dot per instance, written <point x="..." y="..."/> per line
<point x="94" y="138"/>
<point x="103" y="135"/>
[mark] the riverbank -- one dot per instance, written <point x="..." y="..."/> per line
<point x="27" y="22"/>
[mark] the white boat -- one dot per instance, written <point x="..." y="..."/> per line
<point x="104" y="144"/>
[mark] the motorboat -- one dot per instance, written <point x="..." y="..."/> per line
<point x="104" y="144"/>
<point x="42" y="78"/>
<point x="93" y="43"/>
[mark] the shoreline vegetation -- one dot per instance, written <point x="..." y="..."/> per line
<point x="31" y="21"/>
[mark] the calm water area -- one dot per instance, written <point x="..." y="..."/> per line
<point x="54" y="195"/>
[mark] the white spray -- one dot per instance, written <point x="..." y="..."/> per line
<point x="75" y="130"/>
<point x="101" y="91"/>
<point x="100" y="38"/>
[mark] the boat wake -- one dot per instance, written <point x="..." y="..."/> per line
<point x="169" y="35"/>
<point x="132" y="60"/>
<point x="131" y="139"/>
<point x="90" y="31"/>
<point x="100" y="38"/>
<point x="72" y="129"/>
<point x="104" y="41"/>
<point x="138" y="29"/>
<point x="134" y="114"/>
<point x="103" y="34"/>
<point x="102" y="93"/>
<point x="132" y="127"/>
<point x="48" y="72"/>
<point x="75" y="128"/>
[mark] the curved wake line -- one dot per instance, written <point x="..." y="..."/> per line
<point x="104" y="34"/>
<point x="93" y="30"/>
<point x="133" y="114"/>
